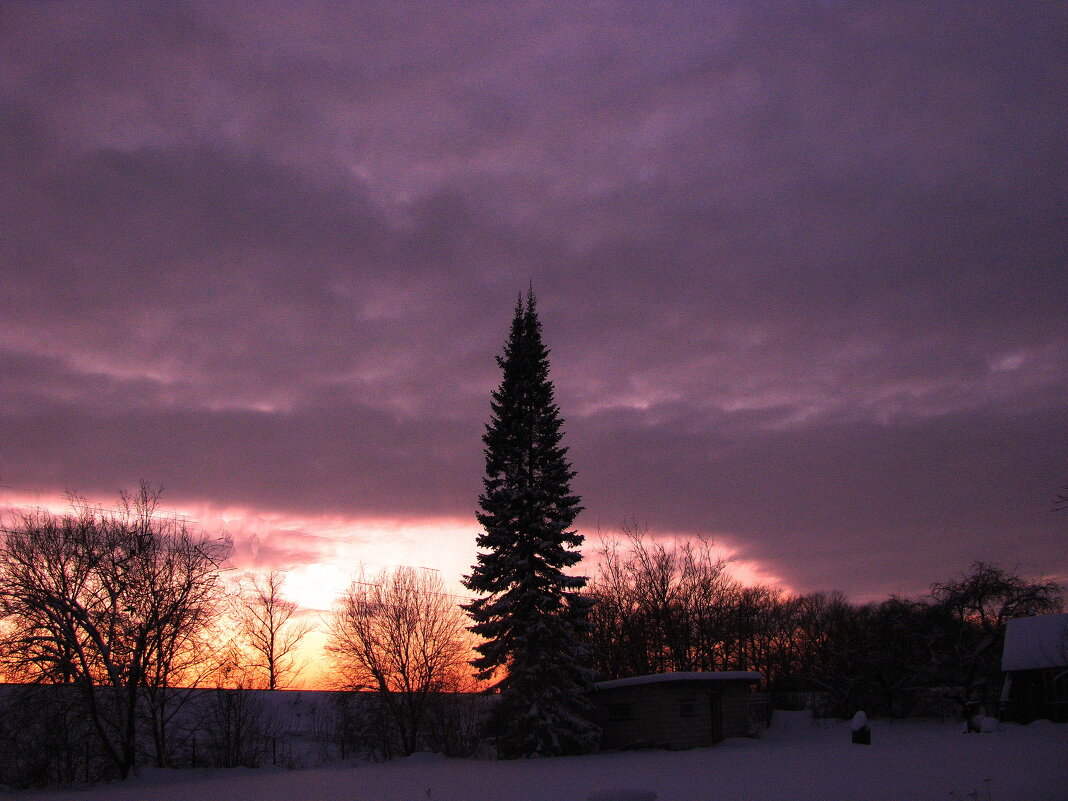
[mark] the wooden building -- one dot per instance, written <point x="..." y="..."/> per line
<point x="1035" y="662"/>
<point x="674" y="710"/>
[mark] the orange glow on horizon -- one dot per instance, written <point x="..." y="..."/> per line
<point x="323" y="554"/>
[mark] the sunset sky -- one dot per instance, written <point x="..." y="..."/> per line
<point x="803" y="268"/>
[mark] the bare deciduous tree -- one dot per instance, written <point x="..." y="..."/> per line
<point x="111" y="602"/>
<point x="403" y="637"/>
<point x="980" y="603"/>
<point x="660" y="607"/>
<point x="270" y="629"/>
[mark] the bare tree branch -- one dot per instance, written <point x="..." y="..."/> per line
<point x="270" y="628"/>
<point x="115" y="603"/>
<point x="400" y="636"/>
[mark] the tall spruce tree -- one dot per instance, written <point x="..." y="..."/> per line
<point x="533" y="615"/>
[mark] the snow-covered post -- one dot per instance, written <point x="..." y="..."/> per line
<point x="861" y="732"/>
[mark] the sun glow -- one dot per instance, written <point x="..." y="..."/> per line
<point x="323" y="554"/>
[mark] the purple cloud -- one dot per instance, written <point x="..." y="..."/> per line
<point x="802" y="270"/>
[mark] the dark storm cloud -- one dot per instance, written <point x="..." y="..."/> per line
<point x="871" y="507"/>
<point x="802" y="269"/>
<point x="274" y="460"/>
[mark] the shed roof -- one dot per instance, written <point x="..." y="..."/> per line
<point x="1034" y="643"/>
<point x="657" y="678"/>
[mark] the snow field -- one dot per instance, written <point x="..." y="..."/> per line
<point x="801" y="761"/>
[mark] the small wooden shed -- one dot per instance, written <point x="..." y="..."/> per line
<point x="674" y="710"/>
<point x="1035" y="661"/>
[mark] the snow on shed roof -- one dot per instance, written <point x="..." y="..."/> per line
<point x="656" y="678"/>
<point x="1034" y="643"/>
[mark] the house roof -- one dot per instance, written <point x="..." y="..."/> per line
<point x="657" y="678"/>
<point x="1034" y="643"/>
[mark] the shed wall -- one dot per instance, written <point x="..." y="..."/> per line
<point x="682" y="714"/>
<point x="1038" y="694"/>
<point x="735" y="700"/>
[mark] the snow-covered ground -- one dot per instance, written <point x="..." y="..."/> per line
<point x="796" y="760"/>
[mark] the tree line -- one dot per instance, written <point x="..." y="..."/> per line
<point x="130" y="614"/>
<point x="674" y="606"/>
<point x="114" y="625"/>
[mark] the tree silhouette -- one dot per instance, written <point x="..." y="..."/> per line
<point x="270" y="627"/>
<point x="533" y="615"/>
